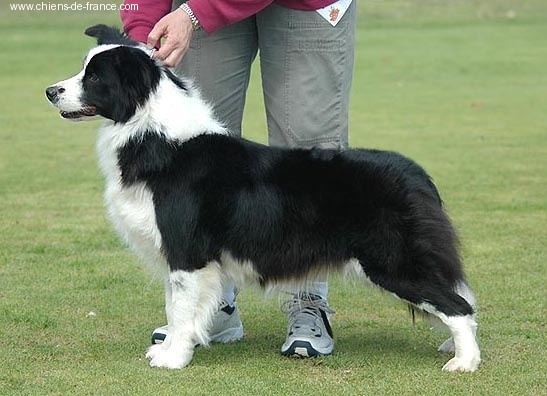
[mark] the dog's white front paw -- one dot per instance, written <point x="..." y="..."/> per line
<point x="169" y="357"/>
<point x="462" y="364"/>
<point x="154" y="350"/>
<point x="447" y="346"/>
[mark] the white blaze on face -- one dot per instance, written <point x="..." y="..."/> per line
<point x="70" y="93"/>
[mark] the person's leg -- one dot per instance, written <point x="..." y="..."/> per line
<point x="220" y="65"/>
<point x="307" y="69"/>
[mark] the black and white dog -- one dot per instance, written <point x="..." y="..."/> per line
<point x="207" y="207"/>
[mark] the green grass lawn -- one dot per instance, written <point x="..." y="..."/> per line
<point x="460" y="86"/>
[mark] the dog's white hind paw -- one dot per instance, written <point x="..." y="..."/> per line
<point x="447" y="346"/>
<point x="168" y="358"/>
<point x="463" y="365"/>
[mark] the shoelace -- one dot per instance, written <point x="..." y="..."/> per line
<point x="304" y="310"/>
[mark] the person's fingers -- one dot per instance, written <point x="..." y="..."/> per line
<point x="174" y="58"/>
<point x="177" y="30"/>
<point x="165" y="50"/>
<point x="172" y="50"/>
<point x="155" y="35"/>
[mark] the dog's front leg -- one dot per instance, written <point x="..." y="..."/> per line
<point x="191" y="302"/>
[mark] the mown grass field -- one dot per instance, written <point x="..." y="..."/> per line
<point x="460" y="86"/>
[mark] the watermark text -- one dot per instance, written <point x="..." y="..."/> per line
<point x="75" y="6"/>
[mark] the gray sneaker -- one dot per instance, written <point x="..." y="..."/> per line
<point x="227" y="326"/>
<point x="309" y="333"/>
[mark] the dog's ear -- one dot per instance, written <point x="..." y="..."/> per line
<point x="108" y="35"/>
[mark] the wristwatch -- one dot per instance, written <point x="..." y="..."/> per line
<point x="186" y="8"/>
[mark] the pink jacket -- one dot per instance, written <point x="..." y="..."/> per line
<point x="212" y="14"/>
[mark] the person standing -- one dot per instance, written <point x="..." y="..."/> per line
<point x="306" y="52"/>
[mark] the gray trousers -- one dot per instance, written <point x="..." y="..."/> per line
<point x="306" y="69"/>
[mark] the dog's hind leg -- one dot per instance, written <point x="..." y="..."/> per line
<point x="413" y="254"/>
<point x="462" y="343"/>
<point x="454" y="306"/>
<point x="464" y="291"/>
<point x="191" y="302"/>
<point x="455" y="312"/>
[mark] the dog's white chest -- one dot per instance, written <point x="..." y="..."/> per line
<point x="130" y="208"/>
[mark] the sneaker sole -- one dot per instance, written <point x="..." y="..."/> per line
<point x="303" y="349"/>
<point x="224" y="337"/>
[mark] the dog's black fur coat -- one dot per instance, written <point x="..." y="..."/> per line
<point x="288" y="211"/>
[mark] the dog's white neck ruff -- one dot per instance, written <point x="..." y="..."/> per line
<point x="177" y="114"/>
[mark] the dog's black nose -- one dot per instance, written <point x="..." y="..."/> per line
<point x="53" y="92"/>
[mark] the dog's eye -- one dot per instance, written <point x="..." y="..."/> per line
<point x="93" y="77"/>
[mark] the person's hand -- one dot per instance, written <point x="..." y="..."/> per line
<point x="177" y="30"/>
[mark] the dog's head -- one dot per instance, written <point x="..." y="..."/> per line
<point x="117" y="77"/>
